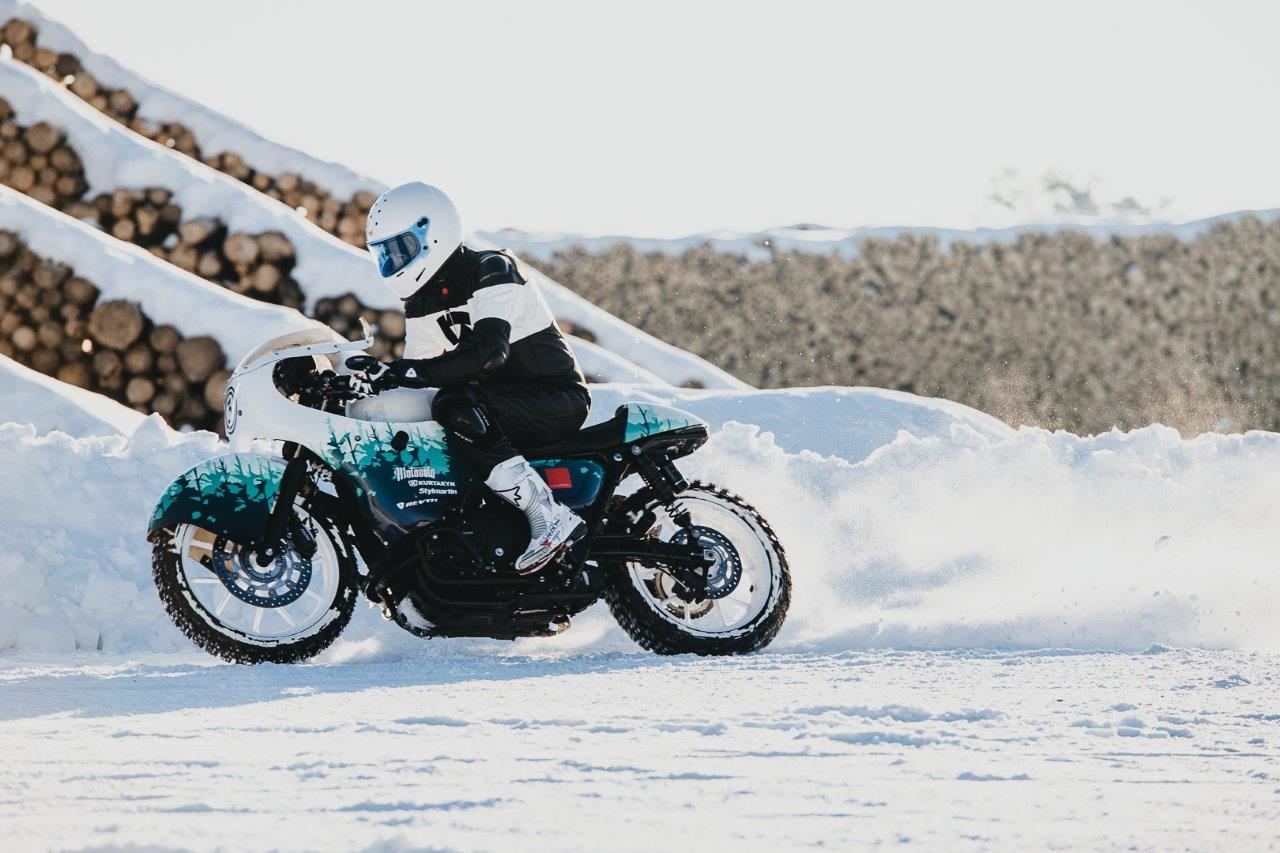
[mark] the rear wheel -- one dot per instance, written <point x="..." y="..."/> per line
<point x="748" y="587"/>
<point x="231" y="607"/>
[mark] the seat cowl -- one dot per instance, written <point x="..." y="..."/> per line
<point x="648" y="419"/>
<point x="631" y="422"/>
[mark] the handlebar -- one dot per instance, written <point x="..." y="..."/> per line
<point x="332" y="387"/>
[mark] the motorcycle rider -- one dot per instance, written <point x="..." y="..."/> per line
<point x="478" y="330"/>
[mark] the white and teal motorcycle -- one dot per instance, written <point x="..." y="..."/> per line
<point x="261" y="556"/>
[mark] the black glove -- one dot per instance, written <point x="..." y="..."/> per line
<point x="370" y="376"/>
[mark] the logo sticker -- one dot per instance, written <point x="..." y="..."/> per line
<point x="229" y="411"/>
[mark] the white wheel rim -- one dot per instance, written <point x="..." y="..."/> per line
<point x="743" y="606"/>
<point x="237" y="618"/>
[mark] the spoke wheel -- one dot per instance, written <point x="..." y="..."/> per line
<point x="748" y="585"/>
<point x="284" y="612"/>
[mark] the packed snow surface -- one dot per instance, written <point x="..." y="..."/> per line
<point x="446" y="748"/>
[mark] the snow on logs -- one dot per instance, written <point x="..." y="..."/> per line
<point x="118" y="164"/>
<point x="344" y="219"/>
<point x="256" y="265"/>
<point x="54" y="321"/>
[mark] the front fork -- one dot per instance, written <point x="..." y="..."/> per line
<point x="278" y="525"/>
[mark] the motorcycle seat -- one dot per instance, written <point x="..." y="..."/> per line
<point x="599" y="438"/>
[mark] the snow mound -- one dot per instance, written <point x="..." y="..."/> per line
<point x="47" y="404"/>
<point x="74" y="563"/>
<point x="939" y="528"/>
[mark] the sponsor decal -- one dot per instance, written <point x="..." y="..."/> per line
<point x="426" y="473"/>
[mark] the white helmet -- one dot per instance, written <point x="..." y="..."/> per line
<point x="411" y="231"/>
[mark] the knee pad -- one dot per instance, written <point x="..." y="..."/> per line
<point x="469" y="421"/>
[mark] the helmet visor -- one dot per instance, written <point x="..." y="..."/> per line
<point x="395" y="253"/>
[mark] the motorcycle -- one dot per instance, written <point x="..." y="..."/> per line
<point x="260" y="556"/>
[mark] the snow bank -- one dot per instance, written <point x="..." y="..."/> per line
<point x="939" y="528"/>
<point x="123" y="271"/>
<point x="598" y="362"/>
<point x="846" y="241"/>
<point x="74" y="563"/>
<point x="216" y="132"/>
<point x="1037" y="540"/>
<point x="29" y="397"/>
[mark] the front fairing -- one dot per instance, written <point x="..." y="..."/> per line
<point x="402" y="474"/>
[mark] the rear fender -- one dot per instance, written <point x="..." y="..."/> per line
<point x="229" y="495"/>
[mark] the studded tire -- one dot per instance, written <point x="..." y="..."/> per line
<point x="660" y="636"/>
<point x="176" y="596"/>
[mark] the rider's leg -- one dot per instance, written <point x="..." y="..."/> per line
<point x="478" y="421"/>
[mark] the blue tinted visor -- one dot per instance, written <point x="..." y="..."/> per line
<point x="396" y="253"/>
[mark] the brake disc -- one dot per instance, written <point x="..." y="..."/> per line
<point x="282" y="582"/>
<point x="725" y="573"/>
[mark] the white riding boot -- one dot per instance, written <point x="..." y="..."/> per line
<point x="551" y="524"/>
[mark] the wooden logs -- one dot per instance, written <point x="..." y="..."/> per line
<point x="35" y="161"/>
<point x="115" y="324"/>
<point x="53" y="321"/>
<point x="199" y="358"/>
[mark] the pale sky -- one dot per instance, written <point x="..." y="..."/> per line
<point x="667" y="118"/>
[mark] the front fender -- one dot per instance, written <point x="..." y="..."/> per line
<point x="231" y="495"/>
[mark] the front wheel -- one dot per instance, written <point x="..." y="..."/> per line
<point x="231" y="607"/>
<point x="748" y="588"/>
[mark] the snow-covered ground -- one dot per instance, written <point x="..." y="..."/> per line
<point x="998" y="638"/>
<point x="452" y="749"/>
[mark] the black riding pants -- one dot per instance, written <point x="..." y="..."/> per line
<point x="493" y="423"/>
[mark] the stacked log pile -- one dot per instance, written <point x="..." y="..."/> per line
<point x="55" y="322"/>
<point x="344" y="219"/>
<point x="1055" y="330"/>
<point x="343" y="314"/>
<point x="259" y="265"/>
<point x="37" y="161"/>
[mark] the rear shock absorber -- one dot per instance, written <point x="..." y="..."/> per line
<point x="666" y="482"/>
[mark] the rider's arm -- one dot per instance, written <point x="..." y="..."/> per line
<point x="495" y="305"/>
<point x="482" y="351"/>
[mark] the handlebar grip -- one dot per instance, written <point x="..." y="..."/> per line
<point x="362" y="363"/>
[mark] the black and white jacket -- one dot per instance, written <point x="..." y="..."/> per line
<point x="480" y="318"/>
